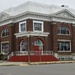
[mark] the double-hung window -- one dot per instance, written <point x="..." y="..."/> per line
<point x="5" y="47"/>
<point x="22" y="26"/>
<point x="5" y="32"/>
<point x="63" y="30"/>
<point x="38" y="26"/>
<point x="64" y="46"/>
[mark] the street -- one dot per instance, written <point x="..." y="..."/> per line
<point x="48" y="69"/>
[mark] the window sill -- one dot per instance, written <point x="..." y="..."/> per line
<point x="37" y="31"/>
<point x="4" y="36"/>
<point x="64" y="34"/>
<point x="4" y="53"/>
<point x="64" y="51"/>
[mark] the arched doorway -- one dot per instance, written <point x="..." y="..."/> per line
<point x="38" y="45"/>
<point x="22" y="46"/>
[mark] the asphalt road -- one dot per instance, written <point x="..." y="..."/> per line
<point x="48" y="69"/>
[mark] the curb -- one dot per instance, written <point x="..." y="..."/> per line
<point x="53" y="62"/>
<point x="33" y="63"/>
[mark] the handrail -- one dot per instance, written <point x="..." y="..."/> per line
<point x="21" y="53"/>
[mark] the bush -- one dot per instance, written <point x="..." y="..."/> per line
<point x="1" y="56"/>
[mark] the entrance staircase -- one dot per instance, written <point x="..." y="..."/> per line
<point x="33" y="56"/>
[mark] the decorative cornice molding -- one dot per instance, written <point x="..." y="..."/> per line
<point x="54" y="23"/>
<point x="31" y="33"/>
<point x="37" y="16"/>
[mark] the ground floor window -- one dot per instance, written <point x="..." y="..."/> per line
<point x="64" y="46"/>
<point x="5" y="48"/>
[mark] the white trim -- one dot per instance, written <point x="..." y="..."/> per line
<point x="20" y="25"/>
<point x="5" y="42"/>
<point x="29" y="10"/>
<point x="41" y="26"/>
<point x="62" y="11"/>
<point x="21" y="46"/>
<point x="64" y="34"/>
<point x="5" y="32"/>
<point x="63" y="40"/>
<point x="30" y="33"/>
<point x="37" y="17"/>
<point x="66" y="20"/>
<point x="1" y="46"/>
<point x="66" y="41"/>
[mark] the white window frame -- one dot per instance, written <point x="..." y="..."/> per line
<point x="65" y="34"/>
<point x="1" y="47"/>
<point x="5" y="33"/>
<point x="70" y="45"/>
<point x="41" y="26"/>
<point x="20" y="26"/>
<point x="21" y="46"/>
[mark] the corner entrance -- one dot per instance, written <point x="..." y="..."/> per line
<point x="38" y="46"/>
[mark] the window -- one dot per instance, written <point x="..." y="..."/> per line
<point x="38" y="26"/>
<point x="22" y="46"/>
<point x="38" y="43"/>
<point x="22" y="26"/>
<point x="5" y="48"/>
<point x="63" y="30"/>
<point x="5" y="32"/>
<point x="64" y="46"/>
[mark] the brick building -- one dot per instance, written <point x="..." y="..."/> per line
<point x="33" y="27"/>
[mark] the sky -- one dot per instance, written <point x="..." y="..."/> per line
<point x="5" y="4"/>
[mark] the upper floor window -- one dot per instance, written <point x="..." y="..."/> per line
<point x="63" y="30"/>
<point x="22" y="26"/>
<point x="38" y="26"/>
<point x="5" y="32"/>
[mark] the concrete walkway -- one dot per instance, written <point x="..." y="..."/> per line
<point x="6" y="63"/>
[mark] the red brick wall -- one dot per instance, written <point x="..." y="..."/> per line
<point x="10" y="38"/>
<point x="50" y="42"/>
<point x="73" y="39"/>
<point x="54" y="36"/>
<point x="65" y="37"/>
<point x="29" y="24"/>
<point x="47" y="44"/>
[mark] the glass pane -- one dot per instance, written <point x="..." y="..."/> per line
<point x="22" y="46"/>
<point x="23" y="27"/>
<point x="5" y="32"/>
<point x="63" y="30"/>
<point x="5" y="47"/>
<point x="37" y="26"/>
<point x="63" y="46"/>
<point x="38" y="43"/>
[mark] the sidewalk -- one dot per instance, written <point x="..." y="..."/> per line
<point x="6" y="63"/>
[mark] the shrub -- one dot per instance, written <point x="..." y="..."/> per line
<point x="1" y="56"/>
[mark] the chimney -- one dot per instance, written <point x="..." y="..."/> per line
<point x="65" y="6"/>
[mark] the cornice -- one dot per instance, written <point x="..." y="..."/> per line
<point x="31" y="33"/>
<point x="38" y="16"/>
<point x="66" y="20"/>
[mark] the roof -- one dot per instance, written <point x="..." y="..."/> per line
<point x="35" y="7"/>
<point x="36" y="10"/>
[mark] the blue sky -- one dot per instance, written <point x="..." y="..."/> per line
<point x="4" y="4"/>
